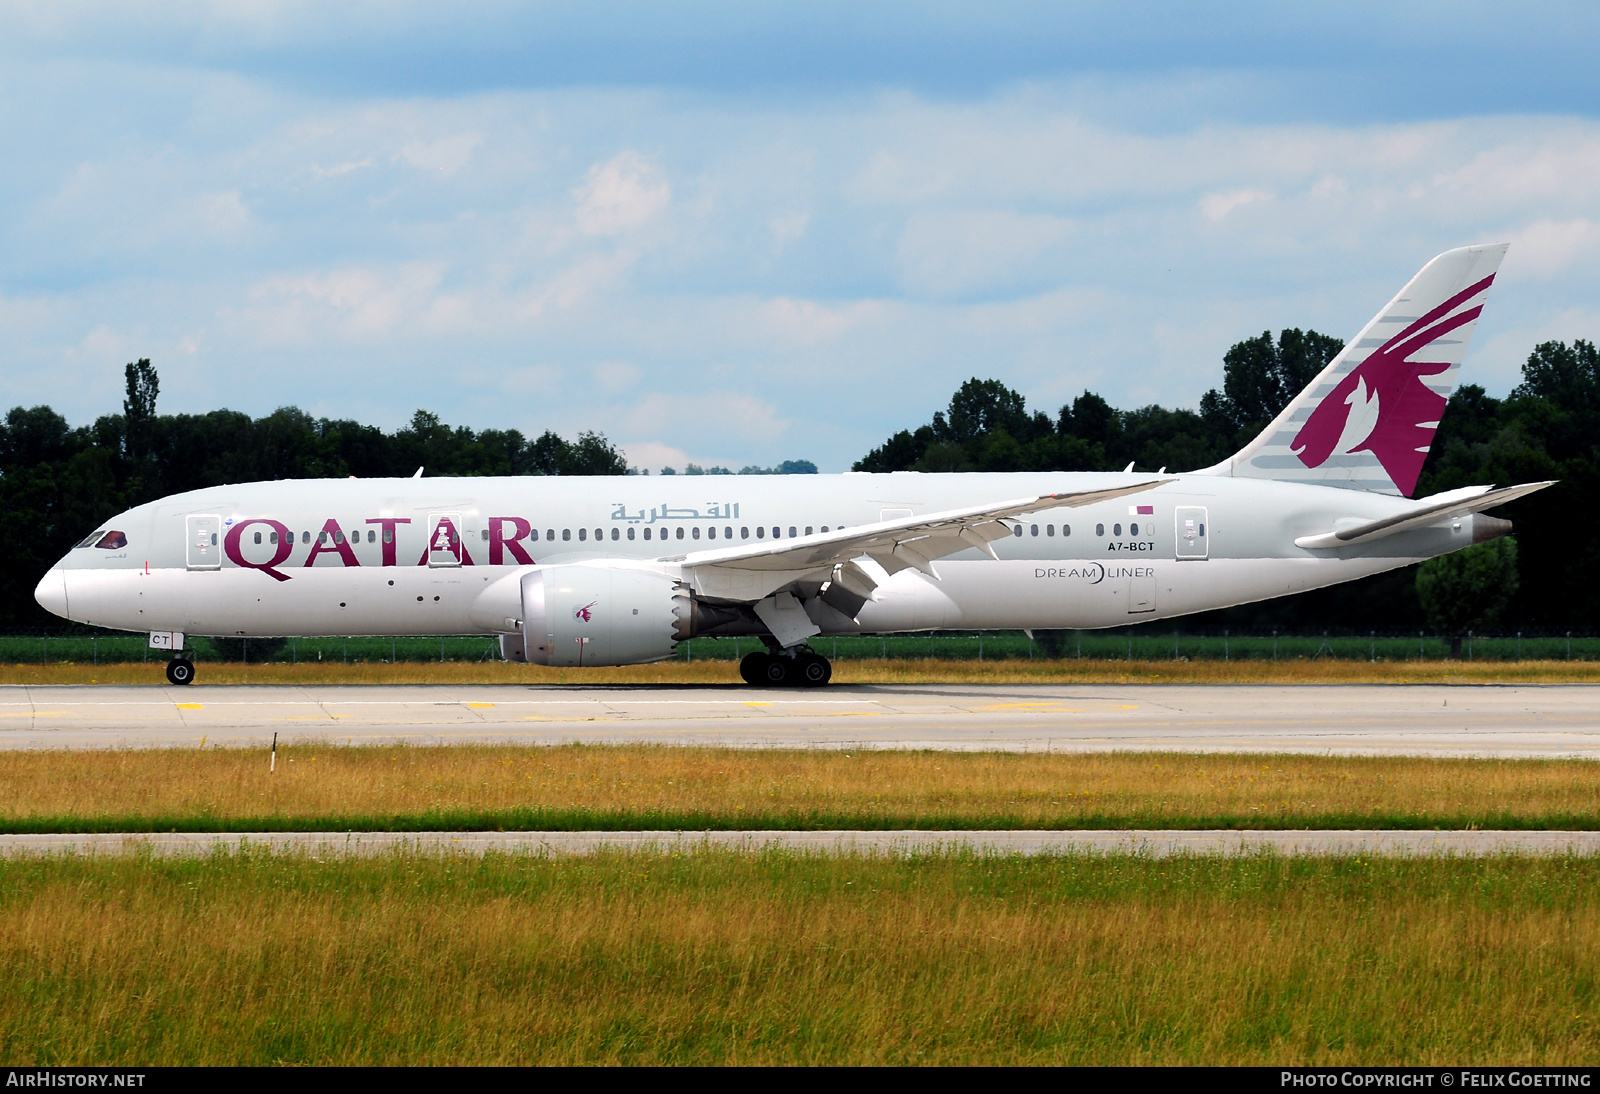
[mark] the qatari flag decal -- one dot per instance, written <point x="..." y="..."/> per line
<point x="1141" y="510"/>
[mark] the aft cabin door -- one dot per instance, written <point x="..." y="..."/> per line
<point x="444" y="539"/>
<point x="204" y="550"/>
<point x="1191" y="520"/>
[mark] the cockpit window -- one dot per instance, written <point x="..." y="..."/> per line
<point x="111" y="541"/>
<point x="89" y="539"/>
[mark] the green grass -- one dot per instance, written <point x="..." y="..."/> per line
<point x="1155" y="642"/>
<point x="321" y="788"/>
<point x="717" y="958"/>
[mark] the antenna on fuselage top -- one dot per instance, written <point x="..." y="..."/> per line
<point x="1129" y="468"/>
<point x="418" y="475"/>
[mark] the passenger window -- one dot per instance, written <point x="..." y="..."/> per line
<point x="305" y="537"/>
<point x="322" y="538"/>
<point x="272" y="537"/>
<point x="647" y="533"/>
<point x="808" y="529"/>
<point x="583" y="535"/>
<point x="338" y="538"/>
<point x="1099" y="529"/>
<point x="1066" y="529"/>
<point x="1116" y="529"/>
<point x="791" y="531"/>
<point x="630" y="533"/>
<point x="1133" y="529"/>
<point x="761" y="532"/>
<point x="388" y="535"/>
<point x="484" y="535"/>
<point x="696" y="531"/>
<point x="1049" y="529"/>
<point x="1034" y="530"/>
<point x="599" y="533"/>
<point x="744" y="533"/>
<point x="214" y="538"/>
<point x="680" y="531"/>
<point x="727" y="533"/>
<point x="824" y="529"/>
<point x="550" y="534"/>
<point x="258" y="537"/>
<point x="615" y="534"/>
<point x="566" y="534"/>
<point x="1017" y="531"/>
<point x="777" y="533"/>
<point x="711" y="532"/>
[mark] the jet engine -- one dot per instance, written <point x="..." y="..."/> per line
<point x="601" y="614"/>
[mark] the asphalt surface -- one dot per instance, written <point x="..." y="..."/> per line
<point x="1157" y="844"/>
<point x="1445" y="720"/>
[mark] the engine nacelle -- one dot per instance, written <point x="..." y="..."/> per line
<point x="602" y="614"/>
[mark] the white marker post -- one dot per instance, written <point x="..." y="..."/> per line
<point x="273" y="766"/>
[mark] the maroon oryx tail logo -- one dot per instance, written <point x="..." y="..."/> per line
<point x="585" y="613"/>
<point x="1382" y="406"/>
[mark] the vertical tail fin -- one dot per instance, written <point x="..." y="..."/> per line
<point x="1368" y="420"/>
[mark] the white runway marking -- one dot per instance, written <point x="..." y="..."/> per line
<point x="1152" y="843"/>
<point x="1443" y="720"/>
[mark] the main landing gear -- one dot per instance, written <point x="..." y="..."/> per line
<point x="180" y="670"/>
<point x="777" y="670"/>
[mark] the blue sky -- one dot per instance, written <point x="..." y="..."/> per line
<point x="740" y="233"/>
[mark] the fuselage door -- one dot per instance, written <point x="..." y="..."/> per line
<point x="1142" y="592"/>
<point x="203" y="550"/>
<point x="444" y="539"/>
<point x="1191" y="521"/>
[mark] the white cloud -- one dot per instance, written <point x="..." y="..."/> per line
<point x="1217" y="206"/>
<point x="769" y="282"/>
<point x="1547" y="249"/>
<point x="445" y="156"/>
<point x="624" y="193"/>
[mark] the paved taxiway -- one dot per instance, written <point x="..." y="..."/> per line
<point x="1157" y="844"/>
<point x="1481" y="720"/>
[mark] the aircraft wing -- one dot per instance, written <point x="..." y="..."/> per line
<point x="752" y="571"/>
<point x="1474" y="499"/>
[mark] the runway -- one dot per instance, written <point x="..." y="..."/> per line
<point x="1151" y="843"/>
<point x="1445" y="720"/>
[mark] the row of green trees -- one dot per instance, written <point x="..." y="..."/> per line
<point x="1547" y="428"/>
<point x="57" y="481"/>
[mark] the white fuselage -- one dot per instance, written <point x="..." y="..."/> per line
<point x="220" y="561"/>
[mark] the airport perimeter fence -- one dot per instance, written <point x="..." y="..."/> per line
<point x="1142" y="643"/>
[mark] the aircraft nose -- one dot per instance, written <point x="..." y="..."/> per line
<point x="51" y="593"/>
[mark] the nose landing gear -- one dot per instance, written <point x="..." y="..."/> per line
<point x="776" y="670"/>
<point x="180" y="670"/>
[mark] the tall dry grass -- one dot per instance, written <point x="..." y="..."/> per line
<point x="662" y="786"/>
<point x="783" y="958"/>
<point x="893" y="671"/>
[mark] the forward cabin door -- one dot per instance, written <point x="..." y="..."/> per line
<point x="1191" y="521"/>
<point x="204" y="545"/>
<point x="444" y="539"/>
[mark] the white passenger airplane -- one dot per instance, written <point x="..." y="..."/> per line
<point x="618" y="570"/>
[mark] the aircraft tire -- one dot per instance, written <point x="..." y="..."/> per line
<point x="778" y="672"/>
<point x="180" y="670"/>
<point x="752" y="669"/>
<point x="814" y="670"/>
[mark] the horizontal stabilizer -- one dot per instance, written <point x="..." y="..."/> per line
<point x="1456" y="503"/>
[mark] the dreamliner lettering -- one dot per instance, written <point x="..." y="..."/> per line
<point x="1382" y="406"/>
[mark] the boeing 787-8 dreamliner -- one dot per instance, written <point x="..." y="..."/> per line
<point x="619" y="570"/>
